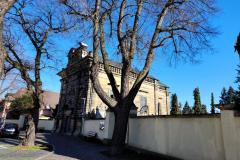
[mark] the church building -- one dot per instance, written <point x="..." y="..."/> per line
<point x="78" y="97"/>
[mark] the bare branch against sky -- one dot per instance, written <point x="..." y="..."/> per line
<point x="179" y="27"/>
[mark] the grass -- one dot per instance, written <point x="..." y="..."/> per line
<point x="29" y="148"/>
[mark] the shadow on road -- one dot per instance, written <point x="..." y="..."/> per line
<point x="10" y="141"/>
<point x="76" y="148"/>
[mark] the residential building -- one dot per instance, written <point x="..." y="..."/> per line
<point x="49" y="100"/>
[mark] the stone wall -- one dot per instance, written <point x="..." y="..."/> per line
<point x="47" y="125"/>
<point x="94" y="126"/>
<point x="186" y="138"/>
<point x="104" y="133"/>
<point x="198" y="137"/>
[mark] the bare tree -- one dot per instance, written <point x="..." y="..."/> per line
<point x="178" y="27"/>
<point x="5" y="5"/>
<point x="38" y="27"/>
<point x="8" y="82"/>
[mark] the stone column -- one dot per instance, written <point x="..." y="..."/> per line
<point x="70" y="125"/>
<point x="77" y="130"/>
<point x="58" y="129"/>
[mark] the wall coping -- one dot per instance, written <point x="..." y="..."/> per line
<point x="218" y="115"/>
<point x="94" y="119"/>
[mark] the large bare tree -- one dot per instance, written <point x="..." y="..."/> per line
<point x="9" y="82"/>
<point x="179" y="28"/>
<point x="5" y="5"/>
<point x="34" y="23"/>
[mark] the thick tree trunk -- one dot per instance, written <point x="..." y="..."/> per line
<point x="2" y="50"/>
<point x="33" y="119"/>
<point x="120" y="128"/>
<point x="35" y="115"/>
<point x="29" y="139"/>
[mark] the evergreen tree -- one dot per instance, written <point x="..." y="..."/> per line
<point x="204" y="109"/>
<point x="230" y="97"/>
<point x="237" y="98"/>
<point x="223" y="97"/>
<point x="20" y="105"/>
<point x="212" y="104"/>
<point x="186" y="109"/>
<point x="197" y="108"/>
<point x="174" y="105"/>
<point x="237" y="45"/>
<point x="180" y="108"/>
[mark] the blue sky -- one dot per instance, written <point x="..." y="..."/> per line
<point x="210" y="75"/>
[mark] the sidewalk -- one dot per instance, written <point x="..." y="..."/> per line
<point x="10" y="151"/>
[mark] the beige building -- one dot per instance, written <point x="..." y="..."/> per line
<point x="152" y="98"/>
<point x="78" y="96"/>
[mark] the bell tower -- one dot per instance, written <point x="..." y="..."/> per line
<point x="83" y="50"/>
<point x="77" y="54"/>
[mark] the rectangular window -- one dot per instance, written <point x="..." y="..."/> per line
<point x="143" y="101"/>
<point x="143" y="105"/>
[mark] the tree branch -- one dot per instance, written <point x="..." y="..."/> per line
<point x="105" y="55"/>
<point x="95" y="64"/>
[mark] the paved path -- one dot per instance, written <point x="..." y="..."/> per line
<point x="8" y="151"/>
<point x="73" y="148"/>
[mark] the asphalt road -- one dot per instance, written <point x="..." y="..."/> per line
<point x="73" y="148"/>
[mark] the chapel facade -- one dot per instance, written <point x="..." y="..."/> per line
<point x="78" y="97"/>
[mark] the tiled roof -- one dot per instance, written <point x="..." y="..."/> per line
<point x="49" y="98"/>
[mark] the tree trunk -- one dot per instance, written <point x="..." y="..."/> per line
<point x="2" y="50"/>
<point x="35" y="115"/>
<point x="33" y="119"/>
<point x="5" y="5"/>
<point x="29" y="139"/>
<point x="120" y="128"/>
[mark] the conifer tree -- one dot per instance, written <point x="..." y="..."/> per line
<point x="237" y="49"/>
<point x="186" y="109"/>
<point x="230" y="97"/>
<point x="204" y="109"/>
<point x="180" y="108"/>
<point x="174" y="105"/>
<point x="237" y="98"/>
<point x="212" y="104"/>
<point x="197" y="108"/>
<point x="223" y="97"/>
